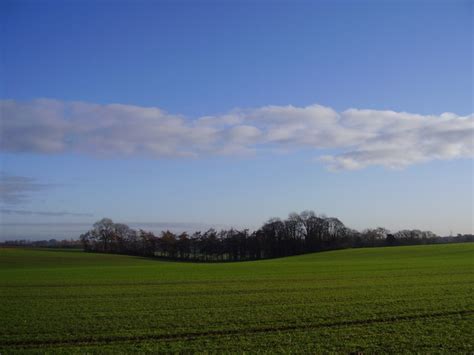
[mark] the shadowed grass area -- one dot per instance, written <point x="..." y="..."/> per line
<point x="398" y="299"/>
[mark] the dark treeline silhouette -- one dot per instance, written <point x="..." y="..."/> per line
<point x="50" y="243"/>
<point x="299" y="233"/>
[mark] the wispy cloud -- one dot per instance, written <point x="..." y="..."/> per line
<point x="43" y="213"/>
<point x="357" y="138"/>
<point x="18" y="189"/>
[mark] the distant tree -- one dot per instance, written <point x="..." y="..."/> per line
<point x="148" y="242"/>
<point x="104" y="230"/>
<point x="273" y="235"/>
<point x="391" y="240"/>
<point x="168" y="244"/>
<point x="184" y="245"/>
<point x="375" y="237"/>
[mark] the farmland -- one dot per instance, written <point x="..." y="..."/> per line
<point x="397" y="299"/>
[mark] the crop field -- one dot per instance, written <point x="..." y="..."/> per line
<point x="397" y="299"/>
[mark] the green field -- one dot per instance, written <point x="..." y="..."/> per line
<point x="397" y="299"/>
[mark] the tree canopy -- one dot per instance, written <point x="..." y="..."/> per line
<point x="300" y="233"/>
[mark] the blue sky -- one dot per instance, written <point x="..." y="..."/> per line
<point x="234" y="112"/>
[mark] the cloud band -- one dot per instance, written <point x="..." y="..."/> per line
<point x="355" y="138"/>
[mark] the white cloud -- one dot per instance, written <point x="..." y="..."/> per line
<point x="399" y="139"/>
<point x="358" y="138"/>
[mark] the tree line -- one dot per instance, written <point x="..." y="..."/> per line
<point x="45" y="243"/>
<point x="299" y="233"/>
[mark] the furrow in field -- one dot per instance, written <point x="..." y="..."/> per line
<point x="192" y="335"/>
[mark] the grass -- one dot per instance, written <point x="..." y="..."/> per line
<point x="399" y="299"/>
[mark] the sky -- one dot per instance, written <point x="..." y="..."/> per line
<point x="190" y="114"/>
